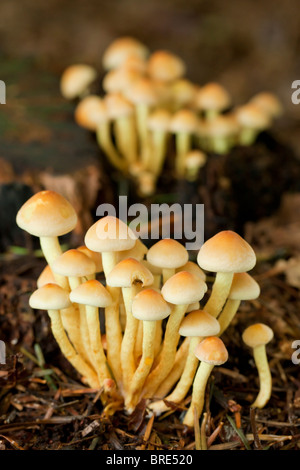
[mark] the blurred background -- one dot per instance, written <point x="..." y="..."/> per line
<point x="247" y="46"/>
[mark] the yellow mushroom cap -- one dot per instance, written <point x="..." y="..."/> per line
<point x="195" y="159"/>
<point x="212" y="350"/>
<point x="109" y="234"/>
<point x="184" y="120"/>
<point x="118" y="80"/>
<point x="183" y="92"/>
<point x="226" y="252"/>
<point x="149" y="305"/>
<point x="91" y="293"/>
<point x="268" y="102"/>
<point x="258" y="334"/>
<point x="127" y="272"/>
<point x="165" y="66"/>
<point x="243" y="287"/>
<point x="50" y="297"/>
<point x="96" y="257"/>
<point x="76" y="79"/>
<point x="73" y="263"/>
<point x="159" y="120"/>
<point x="118" y="106"/>
<point x="193" y="268"/>
<point x="120" y="49"/>
<point x="137" y="252"/>
<point x="183" y="288"/>
<point x="252" y="116"/>
<point x="156" y="270"/>
<point x="142" y="91"/>
<point x="167" y="253"/>
<point x="46" y="277"/>
<point x="199" y="323"/>
<point x="90" y="112"/>
<point x="213" y="96"/>
<point x="222" y="126"/>
<point x="47" y="214"/>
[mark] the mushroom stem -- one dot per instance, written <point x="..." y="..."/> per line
<point x="99" y="359"/>
<point x="168" y="352"/>
<point x="112" y="321"/>
<point x="227" y="314"/>
<point x="105" y="142"/>
<point x="126" y="137"/>
<point x="186" y="379"/>
<point x="68" y="350"/>
<point x="265" y="378"/>
<point x="198" y="395"/>
<point x="159" y="145"/>
<point x="141" y="373"/>
<point x="52" y="250"/>
<point x="142" y="112"/>
<point x="219" y="294"/>
<point x="175" y="374"/>
<point x="167" y="273"/>
<point x="183" y="145"/>
<point x="130" y="333"/>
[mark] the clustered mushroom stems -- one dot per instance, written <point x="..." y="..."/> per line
<point x="148" y="100"/>
<point x="141" y="355"/>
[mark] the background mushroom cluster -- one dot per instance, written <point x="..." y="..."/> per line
<point x="160" y="318"/>
<point x="148" y="112"/>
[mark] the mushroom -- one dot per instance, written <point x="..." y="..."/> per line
<point x="211" y="352"/>
<point x="165" y="66"/>
<point x="131" y="276"/>
<point x="194" y="160"/>
<point x="108" y="236"/>
<point x="222" y="132"/>
<point x="192" y="268"/>
<point x="122" y="113"/>
<point x="180" y="290"/>
<point x="76" y="79"/>
<point x="167" y="254"/>
<point x="212" y="99"/>
<point x="74" y="265"/>
<point x="149" y="307"/>
<point x="46" y="277"/>
<point x="269" y="103"/>
<point x="91" y="113"/>
<point x="54" y="298"/>
<point x="143" y="95"/>
<point x="158" y="125"/>
<point x="243" y="287"/>
<point x="256" y="337"/>
<point x="183" y="93"/>
<point x="48" y="215"/>
<point x="225" y="253"/>
<point x="252" y="120"/>
<point x="120" y="50"/>
<point x="195" y="325"/>
<point x="95" y="257"/>
<point x="93" y="295"/>
<point x="184" y="124"/>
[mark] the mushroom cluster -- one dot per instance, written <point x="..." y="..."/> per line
<point x="149" y="110"/>
<point x="157" y="326"/>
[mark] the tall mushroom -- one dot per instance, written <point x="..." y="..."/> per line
<point x="48" y="215"/>
<point x="108" y="236"/>
<point x="93" y="295"/>
<point x="211" y="352"/>
<point x="256" y="337"/>
<point x="180" y="290"/>
<point x="131" y="276"/>
<point x="54" y="298"/>
<point x="149" y="307"/>
<point x="196" y="325"/>
<point x="225" y="253"/>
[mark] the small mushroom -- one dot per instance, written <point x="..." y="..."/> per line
<point x="225" y="253"/>
<point x="212" y="99"/>
<point x="257" y="336"/>
<point x="252" y="120"/>
<point x="93" y="295"/>
<point x="211" y="352"/>
<point x="196" y="325"/>
<point x="164" y="66"/>
<point x="48" y="215"/>
<point x="149" y="307"/>
<point x="120" y="50"/>
<point x="167" y="254"/>
<point x="76" y="80"/>
<point x="131" y="276"/>
<point x="54" y="298"/>
<point x="180" y="290"/>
